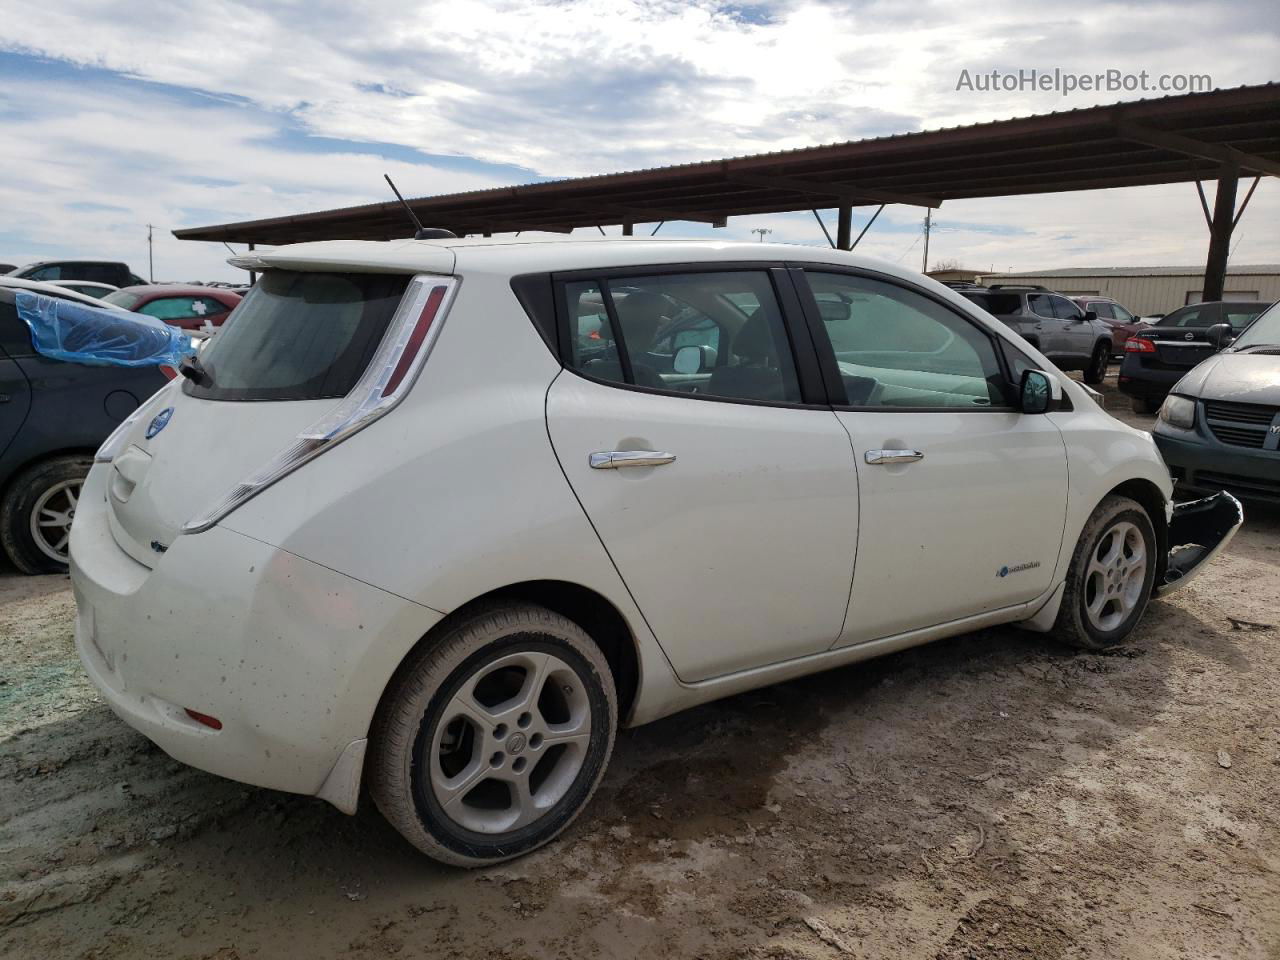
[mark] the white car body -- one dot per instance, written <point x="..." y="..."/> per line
<point x="287" y="617"/>
<point x="63" y="292"/>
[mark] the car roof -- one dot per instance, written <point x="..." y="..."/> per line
<point x="53" y="290"/>
<point x="536" y="255"/>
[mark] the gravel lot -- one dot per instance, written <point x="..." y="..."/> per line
<point x="993" y="795"/>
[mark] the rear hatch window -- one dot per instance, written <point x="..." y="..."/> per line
<point x="299" y="336"/>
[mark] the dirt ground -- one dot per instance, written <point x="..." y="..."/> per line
<point x="989" y="796"/>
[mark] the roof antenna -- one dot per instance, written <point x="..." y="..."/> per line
<point x="420" y="232"/>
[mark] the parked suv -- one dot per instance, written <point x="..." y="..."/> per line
<point x="445" y="513"/>
<point x="1121" y="322"/>
<point x="100" y="271"/>
<point x="1220" y="427"/>
<point x="1068" y="335"/>
<point x="53" y="415"/>
<point x="1159" y="354"/>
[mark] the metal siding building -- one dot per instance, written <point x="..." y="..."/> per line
<point x="1148" y="290"/>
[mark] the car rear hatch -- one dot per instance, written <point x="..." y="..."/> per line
<point x="1178" y="348"/>
<point x="302" y="359"/>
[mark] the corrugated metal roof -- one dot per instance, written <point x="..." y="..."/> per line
<point x="1246" y="270"/>
<point x="1080" y="149"/>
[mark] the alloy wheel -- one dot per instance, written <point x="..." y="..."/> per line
<point x="51" y="518"/>
<point x="510" y="743"/>
<point x="1115" y="576"/>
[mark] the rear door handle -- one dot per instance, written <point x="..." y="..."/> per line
<point x="880" y="457"/>
<point x="614" y="459"/>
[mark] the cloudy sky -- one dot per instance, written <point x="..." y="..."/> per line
<point x="120" y="113"/>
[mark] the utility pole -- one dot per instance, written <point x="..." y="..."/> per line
<point x="763" y="232"/>
<point x="928" y="222"/>
<point x="151" y="260"/>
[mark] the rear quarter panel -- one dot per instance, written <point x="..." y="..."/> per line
<point x="457" y="492"/>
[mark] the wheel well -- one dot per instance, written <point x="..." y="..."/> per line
<point x="1152" y="500"/>
<point x="589" y="610"/>
<point x="41" y="458"/>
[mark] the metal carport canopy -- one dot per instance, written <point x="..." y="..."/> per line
<point x="1183" y="138"/>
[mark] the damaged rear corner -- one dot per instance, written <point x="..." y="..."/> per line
<point x="1198" y="531"/>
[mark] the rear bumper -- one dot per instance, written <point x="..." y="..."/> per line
<point x="1145" y="383"/>
<point x="1202" y="464"/>
<point x="289" y="656"/>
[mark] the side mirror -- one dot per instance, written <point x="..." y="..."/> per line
<point x="1036" y="392"/>
<point x="1220" y="335"/>
<point x="1091" y="315"/>
<point x="691" y="359"/>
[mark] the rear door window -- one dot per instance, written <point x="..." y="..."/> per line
<point x="300" y="336"/>
<point x="1041" y="305"/>
<point x="726" y="327"/>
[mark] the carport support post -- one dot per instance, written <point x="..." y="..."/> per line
<point x="627" y="229"/>
<point x="844" y="227"/>
<point x="253" y="275"/>
<point x="1224" y="213"/>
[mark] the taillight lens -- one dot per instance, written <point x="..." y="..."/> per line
<point x="394" y="368"/>
<point x="1139" y="345"/>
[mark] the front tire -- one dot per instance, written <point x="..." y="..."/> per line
<point x="37" y="510"/>
<point x="492" y="739"/>
<point x="1144" y="406"/>
<point x="1110" y="577"/>
<point x="1096" y="372"/>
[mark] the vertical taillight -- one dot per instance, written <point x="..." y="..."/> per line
<point x="416" y="339"/>
<point x="384" y="383"/>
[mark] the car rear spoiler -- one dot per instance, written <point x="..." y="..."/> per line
<point x="1198" y="530"/>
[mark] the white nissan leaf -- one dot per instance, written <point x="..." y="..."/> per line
<point x="437" y="517"/>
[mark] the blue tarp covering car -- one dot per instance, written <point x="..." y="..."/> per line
<point x="62" y="330"/>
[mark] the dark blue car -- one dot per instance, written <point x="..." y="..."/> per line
<point x="53" y="416"/>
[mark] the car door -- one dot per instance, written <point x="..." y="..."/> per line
<point x="730" y="510"/>
<point x="15" y="391"/>
<point x="1077" y="333"/>
<point x="1048" y="326"/>
<point x="962" y="497"/>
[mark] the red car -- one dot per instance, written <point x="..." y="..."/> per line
<point x="189" y="306"/>
<point x="1119" y="321"/>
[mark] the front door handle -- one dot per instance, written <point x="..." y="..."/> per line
<point x="614" y="459"/>
<point x="880" y="457"/>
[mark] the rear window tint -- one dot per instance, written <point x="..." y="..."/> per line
<point x="996" y="303"/>
<point x="300" y="336"/>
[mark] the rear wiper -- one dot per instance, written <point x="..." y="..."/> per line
<point x="195" y="371"/>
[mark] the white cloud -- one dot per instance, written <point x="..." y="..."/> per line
<point x="579" y="87"/>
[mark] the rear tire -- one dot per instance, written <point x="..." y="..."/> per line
<point x="493" y="738"/>
<point x="1096" y="372"/>
<point x="1110" y="577"/>
<point x="1144" y="406"/>
<point x="36" y="513"/>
